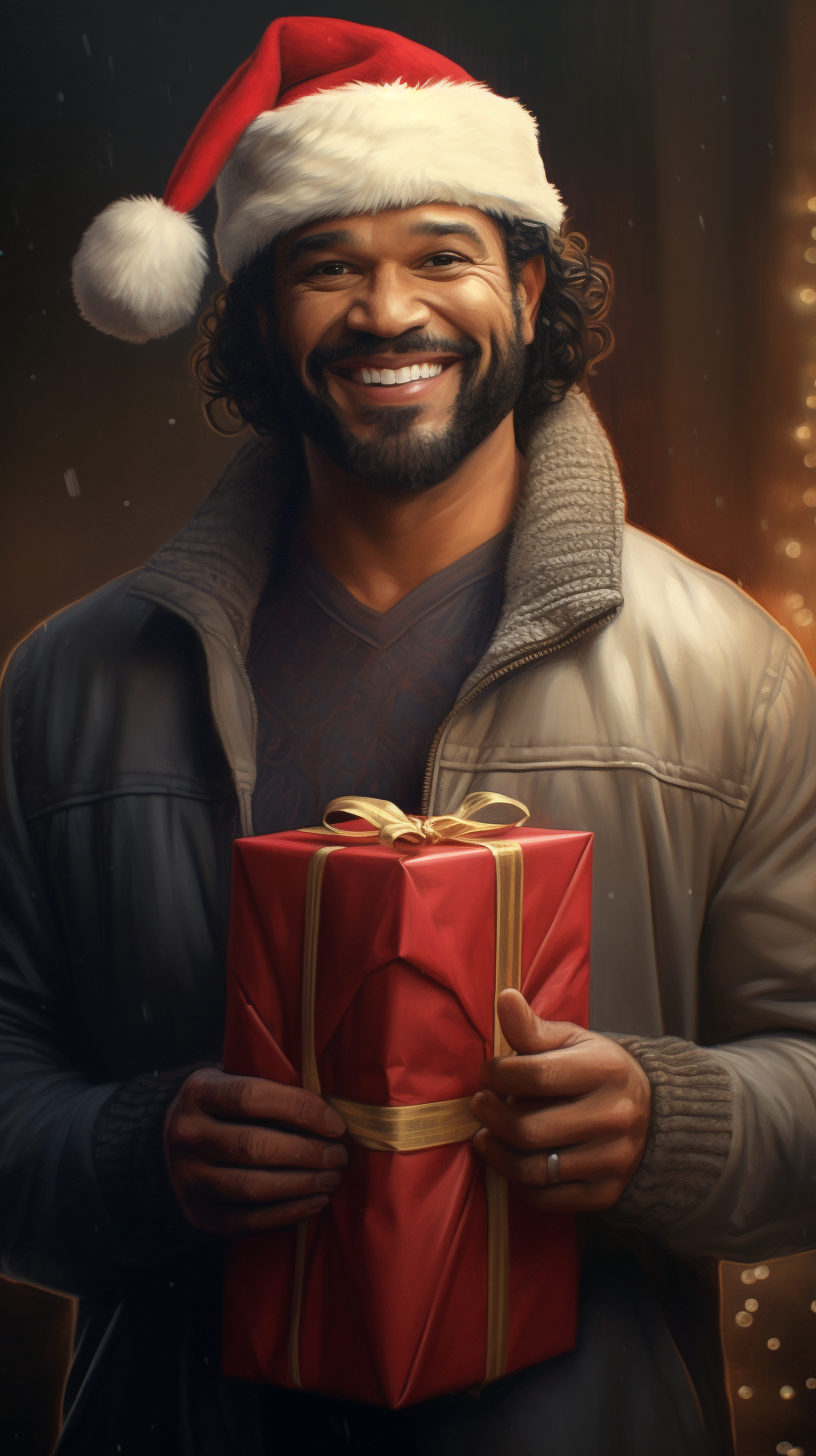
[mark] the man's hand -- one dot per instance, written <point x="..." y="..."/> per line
<point x="246" y="1155"/>
<point x="568" y="1091"/>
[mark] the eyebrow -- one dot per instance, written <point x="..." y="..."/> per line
<point x="342" y="237"/>
<point x="431" y="229"/>
<point x="316" y="242"/>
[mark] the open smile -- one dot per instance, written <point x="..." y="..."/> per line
<point x="396" y="376"/>
<point x="392" y="378"/>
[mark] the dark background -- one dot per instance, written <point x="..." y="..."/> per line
<point x="682" y="134"/>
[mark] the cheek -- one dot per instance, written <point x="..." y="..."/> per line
<point x="305" y="320"/>
<point x="478" y="309"/>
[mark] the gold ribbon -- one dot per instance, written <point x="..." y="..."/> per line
<point x="407" y="1129"/>
<point x="426" y="1124"/>
<point x="389" y="824"/>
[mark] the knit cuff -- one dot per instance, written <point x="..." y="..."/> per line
<point x="689" y="1132"/>
<point x="128" y="1156"/>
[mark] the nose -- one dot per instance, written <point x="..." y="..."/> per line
<point x="387" y="304"/>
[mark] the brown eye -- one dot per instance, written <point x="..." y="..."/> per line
<point x="444" y="260"/>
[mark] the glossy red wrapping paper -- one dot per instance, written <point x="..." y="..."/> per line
<point x="395" y="1292"/>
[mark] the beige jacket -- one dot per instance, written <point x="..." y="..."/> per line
<point x="633" y="693"/>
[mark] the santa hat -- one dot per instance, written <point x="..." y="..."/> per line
<point x="326" y="119"/>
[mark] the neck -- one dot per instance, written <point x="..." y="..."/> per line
<point x="381" y="549"/>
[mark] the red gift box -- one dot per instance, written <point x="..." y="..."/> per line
<point x="422" y="1275"/>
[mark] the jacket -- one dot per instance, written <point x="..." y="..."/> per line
<point x="626" y="690"/>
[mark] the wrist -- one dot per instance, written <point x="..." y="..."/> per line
<point x="130" y="1164"/>
<point x="688" y="1134"/>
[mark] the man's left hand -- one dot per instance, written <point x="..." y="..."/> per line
<point x="570" y="1092"/>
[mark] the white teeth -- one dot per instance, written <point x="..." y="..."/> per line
<point x="397" y="376"/>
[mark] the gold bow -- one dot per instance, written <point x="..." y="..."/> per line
<point x="389" y="824"/>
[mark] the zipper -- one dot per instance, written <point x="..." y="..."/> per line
<point x="513" y="665"/>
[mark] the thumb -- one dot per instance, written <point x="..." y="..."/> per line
<point x="528" y="1033"/>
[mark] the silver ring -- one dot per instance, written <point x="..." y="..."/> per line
<point x="553" y="1169"/>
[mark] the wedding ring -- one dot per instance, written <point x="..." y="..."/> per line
<point x="553" y="1169"/>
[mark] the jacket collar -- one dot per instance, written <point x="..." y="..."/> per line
<point x="563" y="569"/>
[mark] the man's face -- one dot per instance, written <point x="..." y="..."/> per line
<point x="399" y="342"/>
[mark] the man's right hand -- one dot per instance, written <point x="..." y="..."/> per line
<point x="246" y="1155"/>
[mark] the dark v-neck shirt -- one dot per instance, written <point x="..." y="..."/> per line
<point x="349" y="699"/>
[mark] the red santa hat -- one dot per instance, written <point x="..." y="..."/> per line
<point x="326" y="119"/>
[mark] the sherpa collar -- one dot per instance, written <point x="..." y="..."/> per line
<point x="563" y="569"/>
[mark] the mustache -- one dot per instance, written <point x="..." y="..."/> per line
<point x="412" y="342"/>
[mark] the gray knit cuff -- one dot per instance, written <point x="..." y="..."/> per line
<point x="689" y="1132"/>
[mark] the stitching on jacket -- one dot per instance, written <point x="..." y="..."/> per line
<point x="160" y="791"/>
<point x="776" y="670"/>
<point x="737" y="801"/>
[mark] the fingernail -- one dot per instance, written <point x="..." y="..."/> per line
<point x="314" y="1205"/>
<point x="335" y="1156"/>
<point x="334" y="1121"/>
<point x="328" y="1181"/>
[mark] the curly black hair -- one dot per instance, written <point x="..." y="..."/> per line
<point x="571" y="333"/>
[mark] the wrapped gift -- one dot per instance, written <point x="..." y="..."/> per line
<point x="367" y="969"/>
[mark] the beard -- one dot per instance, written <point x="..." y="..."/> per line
<point x="402" y="459"/>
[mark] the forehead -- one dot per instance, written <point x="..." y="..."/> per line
<point x="394" y="229"/>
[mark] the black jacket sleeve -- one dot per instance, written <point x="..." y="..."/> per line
<point x="84" y="1196"/>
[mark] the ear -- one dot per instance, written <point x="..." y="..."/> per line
<point x="531" y="286"/>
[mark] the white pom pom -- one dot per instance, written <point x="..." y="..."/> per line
<point x="140" y="269"/>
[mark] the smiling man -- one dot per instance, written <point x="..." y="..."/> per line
<point x="414" y="581"/>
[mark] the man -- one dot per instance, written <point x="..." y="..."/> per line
<point x="416" y="583"/>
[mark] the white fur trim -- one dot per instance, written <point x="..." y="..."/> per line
<point x="363" y="148"/>
<point x="140" y="269"/>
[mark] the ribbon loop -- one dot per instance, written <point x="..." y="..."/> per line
<point x="389" y="824"/>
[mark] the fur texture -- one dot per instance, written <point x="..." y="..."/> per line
<point x="364" y="148"/>
<point x="140" y="269"/>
